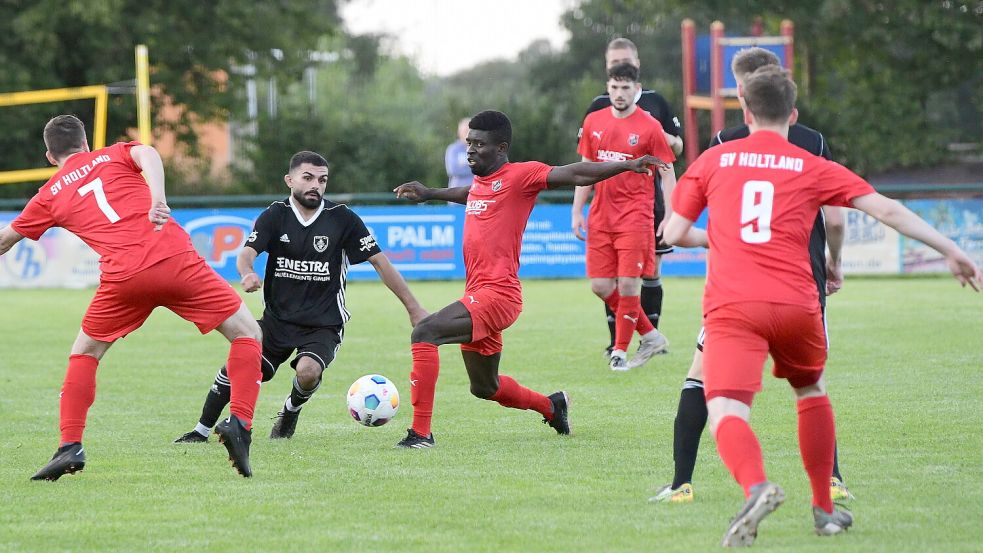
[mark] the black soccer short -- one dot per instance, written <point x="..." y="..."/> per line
<point x="661" y="248"/>
<point x="280" y="339"/>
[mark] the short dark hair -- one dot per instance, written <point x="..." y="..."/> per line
<point x="749" y="60"/>
<point x="495" y="122"/>
<point x="623" y="72"/>
<point x="305" y="156"/>
<point x="63" y="135"/>
<point x="770" y="94"/>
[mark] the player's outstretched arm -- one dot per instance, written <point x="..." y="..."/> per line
<point x="244" y="264"/>
<point x="585" y="173"/>
<point x="901" y="219"/>
<point x="395" y="282"/>
<point x="679" y="231"/>
<point x="668" y="174"/>
<point x="835" y="230"/>
<point x="8" y="238"/>
<point x="416" y="192"/>
<point x="148" y="160"/>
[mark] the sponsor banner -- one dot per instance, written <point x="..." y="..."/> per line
<point x="58" y="260"/>
<point x="960" y="220"/>
<point x="869" y="247"/>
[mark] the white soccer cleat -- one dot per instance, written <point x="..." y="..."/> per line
<point x="648" y="347"/>
<point x="619" y="361"/>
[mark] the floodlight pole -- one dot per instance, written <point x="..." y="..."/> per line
<point x="143" y="94"/>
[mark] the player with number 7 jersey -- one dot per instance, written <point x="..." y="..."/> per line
<point x="147" y="261"/>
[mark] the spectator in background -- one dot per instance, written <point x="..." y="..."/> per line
<point x="456" y="158"/>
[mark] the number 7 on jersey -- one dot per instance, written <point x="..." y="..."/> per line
<point x="96" y="188"/>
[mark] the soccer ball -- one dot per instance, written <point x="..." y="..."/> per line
<point x="373" y="400"/>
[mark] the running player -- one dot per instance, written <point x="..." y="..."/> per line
<point x="498" y="205"/>
<point x="621" y="236"/>
<point x="761" y="297"/>
<point x="146" y="260"/>
<point x="311" y="242"/>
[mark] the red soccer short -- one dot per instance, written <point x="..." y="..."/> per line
<point x="739" y="337"/>
<point x="620" y="254"/>
<point x="184" y="283"/>
<point x="491" y="313"/>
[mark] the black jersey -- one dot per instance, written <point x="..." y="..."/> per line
<point x="308" y="261"/>
<point x="813" y="142"/>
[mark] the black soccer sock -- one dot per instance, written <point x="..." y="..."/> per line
<point x="691" y="418"/>
<point x="299" y="396"/>
<point x="652" y="299"/>
<point x="836" y="462"/>
<point x="611" y="319"/>
<point x="216" y="400"/>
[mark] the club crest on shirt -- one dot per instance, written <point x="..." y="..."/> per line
<point x="632" y="139"/>
<point x="497" y="185"/>
<point x="321" y="243"/>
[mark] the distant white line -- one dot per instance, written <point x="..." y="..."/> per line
<point x="409" y="218"/>
<point x="361" y="268"/>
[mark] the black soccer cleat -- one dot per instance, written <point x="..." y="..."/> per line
<point x="69" y="459"/>
<point x="416" y="441"/>
<point x="285" y="425"/>
<point x="192" y="437"/>
<point x="560" y="422"/>
<point x="234" y="436"/>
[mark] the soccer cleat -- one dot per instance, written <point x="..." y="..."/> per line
<point x="765" y="498"/>
<point x="838" y="490"/>
<point x="416" y="441"/>
<point x="236" y="439"/>
<point x="192" y="437"/>
<point x="285" y="425"/>
<point x="668" y="494"/>
<point x="607" y="352"/>
<point x="648" y="348"/>
<point x="561" y="404"/>
<point x="69" y="459"/>
<point x="618" y="363"/>
<point x="830" y="524"/>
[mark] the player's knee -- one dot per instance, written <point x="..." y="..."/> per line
<point x="308" y="374"/>
<point x="425" y="331"/>
<point x="484" y="390"/>
<point x="602" y="289"/>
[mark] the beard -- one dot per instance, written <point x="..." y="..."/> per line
<point x="308" y="202"/>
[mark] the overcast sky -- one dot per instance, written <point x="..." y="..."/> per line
<point x="446" y="36"/>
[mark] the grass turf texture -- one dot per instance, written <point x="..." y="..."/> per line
<point x="904" y="377"/>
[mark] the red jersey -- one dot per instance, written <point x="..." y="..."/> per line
<point x="496" y="214"/>
<point x="623" y="202"/>
<point x="763" y="194"/>
<point x="102" y="198"/>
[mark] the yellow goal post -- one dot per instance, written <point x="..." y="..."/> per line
<point x="100" y="93"/>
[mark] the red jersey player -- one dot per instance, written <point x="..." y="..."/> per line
<point x="146" y="261"/>
<point x="498" y="205"/>
<point x="760" y="297"/>
<point x="621" y="239"/>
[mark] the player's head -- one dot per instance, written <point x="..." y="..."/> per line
<point x="489" y="139"/>
<point x="769" y="94"/>
<point x="623" y="86"/>
<point x="462" y="128"/>
<point x="621" y="50"/>
<point x="307" y="178"/>
<point x="64" y="135"/>
<point x="749" y="60"/>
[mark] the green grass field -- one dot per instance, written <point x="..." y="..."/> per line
<point x="904" y="377"/>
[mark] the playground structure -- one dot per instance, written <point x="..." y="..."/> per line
<point x="707" y="80"/>
<point x="100" y="93"/>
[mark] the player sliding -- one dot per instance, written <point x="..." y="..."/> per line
<point x="760" y="296"/>
<point x="498" y="205"/>
<point x="146" y="260"/>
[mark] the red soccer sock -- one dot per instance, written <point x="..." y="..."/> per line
<point x="245" y="375"/>
<point x="511" y="394"/>
<point x="817" y="441"/>
<point x="78" y="391"/>
<point x="423" y="385"/>
<point x="741" y="453"/>
<point x="627" y="317"/>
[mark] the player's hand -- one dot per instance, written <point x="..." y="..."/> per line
<point x="834" y="276"/>
<point x="578" y="226"/>
<point x="965" y="271"/>
<point x="645" y="163"/>
<point x="250" y="282"/>
<point x="417" y="314"/>
<point x="412" y="191"/>
<point x="662" y="227"/>
<point x="159" y="214"/>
